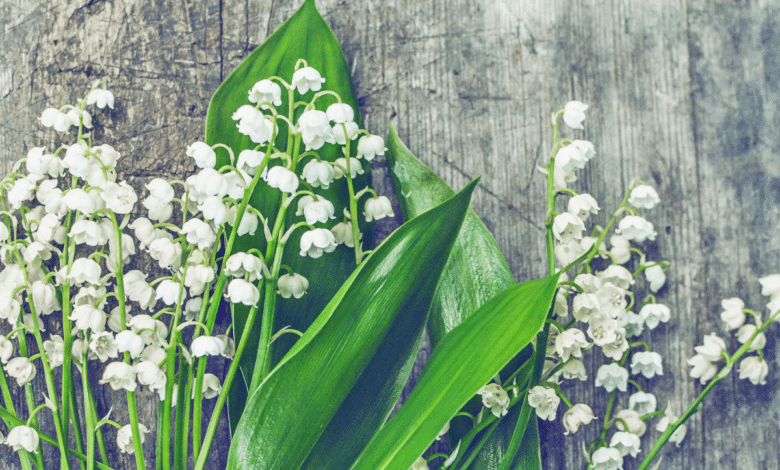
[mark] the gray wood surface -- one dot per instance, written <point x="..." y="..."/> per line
<point x="682" y="94"/>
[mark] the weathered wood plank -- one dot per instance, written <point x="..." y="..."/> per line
<point x="683" y="94"/>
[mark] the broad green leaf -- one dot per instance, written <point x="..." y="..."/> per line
<point x="465" y="360"/>
<point x="475" y="272"/>
<point x="290" y="410"/>
<point x="304" y="35"/>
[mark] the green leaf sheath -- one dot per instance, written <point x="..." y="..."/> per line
<point x="465" y="360"/>
<point x="304" y="35"/>
<point x="291" y="409"/>
<point x="475" y="272"/>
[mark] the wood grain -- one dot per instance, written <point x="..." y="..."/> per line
<point x="682" y="94"/>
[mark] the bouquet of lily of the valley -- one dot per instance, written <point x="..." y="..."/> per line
<point x="274" y="228"/>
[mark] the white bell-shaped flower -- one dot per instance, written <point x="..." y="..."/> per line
<point x="570" y="343"/>
<point x="101" y="98"/>
<point x="316" y="242"/>
<point x="252" y="123"/>
<point x="23" y="437"/>
<point x="644" y="197"/>
<point x="377" y="208"/>
<point x="79" y="200"/>
<point x="119" y="376"/>
<point x="249" y="161"/>
<point x="643" y="403"/>
<point x="292" y="285"/>
<point x="576" y="416"/>
<point x="21" y="369"/>
<point x="656" y="276"/>
<point x="631" y="419"/>
<point x="313" y="211"/>
<point x="703" y="368"/>
<point x="370" y="146"/>
<point x="315" y="129"/>
<point x="545" y="401"/>
<point x="342" y="231"/>
<point x="84" y="271"/>
<point x="574" y="114"/>
<point x="103" y="346"/>
<point x="88" y="232"/>
<point x="211" y="386"/>
<point x="129" y="341"/>
<point x="214" y="210"/>
<point x="167" y="253"/>
<point x="647" y="363"/>
<point x="733" y="313"/>
<point x="340" y="113"/>
<point x="150" y="330"/>
<point x="242" y="292"/>
<point x="207" y="346"/>
<point x="124" y="437"/>
<point x="567" y="226"/>
<point x="611" y="377"/>
<point x="745" y="332"/>
<point x="582" y="205"/>
<point x="6" y="349"/>
<point x="147" y="373"/>
<point x="240" y="264"/>
<point x="119" y="197"/>
<point x="44" y="297"/>
<point x="617" y="275"/>
<point x="307" y="78"/>
<point x="266" y="91"/>
<point x="168" y="291"/>
<point x="52" y="117"/>
<point x="88" y="317"/>
<point x="78" y="116"/>
<point x="626" y="443"/>
<point x="21" y="191"/>
<point x="713" y="348"/>
<point x="754" y="369"/>
<point x="199" y="233"/>
<point x="653" y="314"/>
<point x="635" y="228"/>
<point x="318" y="173"/>
<point x="283" y="179"/>
<point x="495" y="398"/>
<point x="203" y="154"/>
<point x="198" y="277"/>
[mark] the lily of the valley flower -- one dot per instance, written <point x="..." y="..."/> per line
<point x="644" y="197"/>
<point x="307" y="78"/>
<point x="370" y="146"/>
<point x="55" y="118"/>
<point x="88" y="317"/>
<point x="120" y="376"/>
<point x="21" y="369"/>
<point x="240" y="291"/>
<point x="101" y="98"/>
<point x="23" y="437"/>
<point x="647" y="363"/>
<point x="318" y="173"/>
<point x="611" y="377"/>
<point x="626" y="442"/>
<point x="576" y="416"/>
<point x="316" y="242"/>
<point x="103" y="346"/>
<point x="377" y="208"/>
<point x="733" y="314"/>
<point x="124" y="438"/>
<point x="545" y="401"/>
<point x="642" y="402"/>
<point x="631" y="419"/>
<point x="606" y="458"/>
<point x="283" y="179"/>
<point x="653" y="314"/>
<point x="147" y="373"/>
<point x="129" y="341"/>
<point x="266" y="91"/>
<point x="207" y="346"/>
<point x="567" y="226"/>
<point x="570" y="343"/>
<point x="252" y="123"/>
<point x="574" y="114"/>
<point x="582" y="205"/>
<point x="754" y="369"/>
<point x="495" y="398"/>
<point x="292" y="285"/>
<point x="313" y="211"/>
<point x="635" y="228"/>
<point x="315" y="129"/>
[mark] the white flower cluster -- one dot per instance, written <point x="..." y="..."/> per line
<point x="705" y="363"/>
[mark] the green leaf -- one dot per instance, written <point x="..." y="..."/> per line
<point x="290" y="410"/>
<point x="465" y="360"/>
<point x="475" y="272"/>
<point x="304" y="35"/>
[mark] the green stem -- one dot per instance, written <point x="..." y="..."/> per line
<point x="696" y="405"/>
<point x="223" y="395"/>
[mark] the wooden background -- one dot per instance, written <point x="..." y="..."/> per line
<point x="682" y="94"/>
